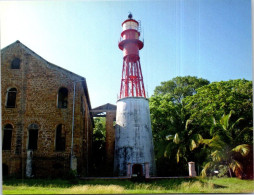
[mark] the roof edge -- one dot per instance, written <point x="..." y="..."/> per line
<point x="39" y="57"/>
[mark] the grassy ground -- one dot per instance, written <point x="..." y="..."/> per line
<point x="197" y="185"/>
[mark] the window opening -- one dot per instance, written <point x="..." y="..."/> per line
<point x="62" y="98"/>
<point x="33" y="137"/>
<point x="15" y="64"/>
<point x="7" y="137"/>
<point x="11" y="98"/>
<point x="60" y="138"/>
<point x="5" y="170"/>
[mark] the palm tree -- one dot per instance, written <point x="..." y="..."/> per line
<point x="182" y="142"/>
<point x="224" y="145"/>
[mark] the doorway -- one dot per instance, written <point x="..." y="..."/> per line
<point x="137" y="170"/>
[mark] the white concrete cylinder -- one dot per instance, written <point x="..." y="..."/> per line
<point x="133" y="136"/>
<point x="29" y="162"/>
<point x="192" y="171"/>
<point x="74" y="163"/>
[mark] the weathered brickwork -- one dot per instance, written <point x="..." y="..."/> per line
<point x="38" y="82"/>
<point x="110" y="140"/>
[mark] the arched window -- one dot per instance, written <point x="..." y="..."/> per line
<point x="7" y="137"/>
<point x="32" y="136"/>
<point x="60" y="138"/>
<point x="15" y="64"/>
<point x="62" y="98"/>
<point x="11" y="98"/>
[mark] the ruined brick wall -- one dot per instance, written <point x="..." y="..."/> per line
<point x="37" y="83"/>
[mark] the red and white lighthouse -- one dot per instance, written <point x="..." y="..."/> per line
<point x="134" y="151"/>
<point x="132" y="84"/>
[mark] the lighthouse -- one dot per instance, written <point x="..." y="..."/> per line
<point x="134" y="150"/>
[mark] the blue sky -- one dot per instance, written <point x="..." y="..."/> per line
<point x="204" y="38"/>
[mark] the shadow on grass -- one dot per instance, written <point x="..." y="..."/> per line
<point x="218" y="186"/>
<point x="215" y="186"/>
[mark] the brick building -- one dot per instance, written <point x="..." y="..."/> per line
<point x="37" y="116"/>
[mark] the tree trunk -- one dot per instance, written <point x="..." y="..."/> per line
<point x="230" y="173"/>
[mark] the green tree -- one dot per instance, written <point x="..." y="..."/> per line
<point x="218" y="98"/>
<point x="224" y="144"/>
<point x="99" y="132"/>
<point x="170" y="119"/>
<point x="164" y="118"/>
<point x="99" y="140"/>
<point x="183" y="142"/>
<point x="175" y="138"/>
<point x="162" y="111"/>
<point x="180" y="87"/>
<point x="183" y="146"/>
<point x="181" y="117"/>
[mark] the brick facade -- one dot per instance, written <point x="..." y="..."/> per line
<point x="110" y="140"/>
<point x="37" y="83"/>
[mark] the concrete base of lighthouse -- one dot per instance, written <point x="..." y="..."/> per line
<point x="134" y="151"/>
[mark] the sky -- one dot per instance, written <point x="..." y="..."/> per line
<point x="210" y="39"/>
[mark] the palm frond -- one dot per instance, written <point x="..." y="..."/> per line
<point x="169" y="137"/>
<point x="213" y="120"/>
<point x="217" y="155"/>
<point x="206" y="141"/>
<point x="198" y="138"/>
<point x="216" y="143"/>
<point x="178" y="156"/>
<point x="235" y="165"/>
<point x="206" y="167"/>
<point x="176" y="139"/>
<point x="168" y="149"/>
<point x="245" y="129"/>
<point x="224" y="121"/>
<point x="193" y="145"/>
<point x="180" y="153"/>
<point x="235" y="123"/>
<point x="243" y="149"/>
<point x="187" y="123"/>
<point x="195" y="141"/>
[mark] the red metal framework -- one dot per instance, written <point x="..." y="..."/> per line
<point x="132" y="84"/>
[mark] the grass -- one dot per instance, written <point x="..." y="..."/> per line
<point x="195" y="185"/>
